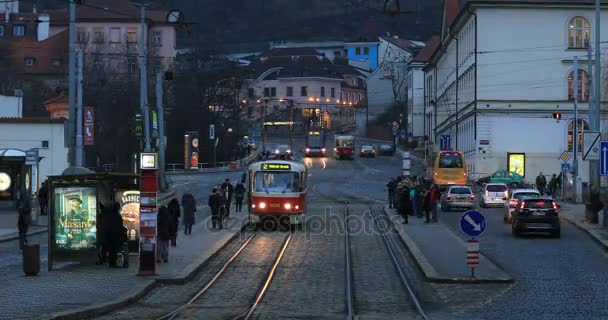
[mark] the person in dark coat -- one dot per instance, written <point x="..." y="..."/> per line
<point x="239" y="195"/>
<point x="43" y="199"/>
<point x="391" y="186"/>
<point x="174" y="215"/>
<point x="404" y="202"/>
<point x="435" y="195"/>
<point x="114" y="233"/>
<point x="102" y="248"/>
<point x="228" y="191"/>
<point x="214" y="203"/>
<point x="189" y="205"/>
<point x="163" y="234"/>
<point x="24" y="208"/>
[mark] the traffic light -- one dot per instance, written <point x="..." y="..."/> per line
<point x="557" y="115"/>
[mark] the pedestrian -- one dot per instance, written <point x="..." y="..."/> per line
<point x="244" y="177"/>
<point x="189" y="205"/>
<point x="227" y="191"/>
<point x="391" y="186"/>
<point x="102" y="249"/>
<point x="239" y="195"/>
<point x="163" y="234"/>
<point x="420" y="194"/>
<point x="427" y="206"/>
<point x="553" y="185"/>
<point x="413" y="200"/>
<point x="435" y="195"/>
<point x="404" y="201"/>
<point x="594" y="206"/>
<point x="214" y="203"/>
<point x="43" y="199"/>
<point x="541" y="183"/>
<point x="174" y="215"/>
<point x="24" y="208"/>
<point x="114" y="233"/>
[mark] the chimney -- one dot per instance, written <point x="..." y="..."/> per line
<point x="43" y="27"/>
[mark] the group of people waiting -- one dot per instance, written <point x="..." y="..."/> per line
<point x="220" y="201"/>
<point x="167" y="224"/>
<point x="413" y="196"/>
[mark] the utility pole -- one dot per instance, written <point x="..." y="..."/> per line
<point x="575" y="135"/>
<point x="143" y="77"/>
<point x="71" y="82"/>
<point x="291" y="124"/>
<point x="79" y="146"/>
<point x="594" y="110"/>
<point x="161" y="128"/>
<point x="264" y="127"/>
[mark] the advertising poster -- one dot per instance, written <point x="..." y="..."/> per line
<point x="191" y="147"/>
<point x="75" y="218"/>
<point x="517" y="163"/>
<point x="129" y="210"/>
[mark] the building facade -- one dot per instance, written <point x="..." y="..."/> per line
<point x="362" y="55"/>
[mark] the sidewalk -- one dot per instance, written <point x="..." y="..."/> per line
<point x="441" y="255"/>
<point x="575" y="214"/>
<point x="77" y="292"/>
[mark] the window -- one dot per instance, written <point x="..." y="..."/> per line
<point x="289" y="92"/>
<point x="333" y="92"/>
<point x="156" y="39"/>
<point x="322" y="91"/>
<point x="81" y="35"/>
<point x="357" y="51"/>
<point x="99" y="35"/>
<point x="115" y="35"/>
<point x="304" y="91"/>
<point x="276" y="181"/>
<point x="273" y="92"/>
<point x="131" y="35"/>
<point x="56" y="62"/>
<point x="266" y="92"/>
<point x="29" y="62"/>
<point x="366" y="50"/>
<point x="337" y="53"/>
<point x="132" y="64"/>
<point x="579" y="32"/>
<point x="18" y="30"/>
<point x="582" y="125"/>
<point x="1" y="31"/>
<point x="360" y="96"/>
<point x="341" y="95"/>
<point x="583" y="85"/>
<point x="250" y="93"/>
<point x="45" y="144"/>
<point x="388" y="72"/>
<point x="450" y="160"/>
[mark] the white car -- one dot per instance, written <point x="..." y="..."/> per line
<point x="516" y="195"/>
<point x="494" y="194"/>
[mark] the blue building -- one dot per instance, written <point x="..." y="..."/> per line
<point x="363" y="55"/>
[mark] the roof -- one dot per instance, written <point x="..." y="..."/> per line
<point x="50" y="55"/>
<point x="106" y="10"/>
<point x="59" y="99"/>
<point x="298" y="67"/>
<point x="424" y="55"/>
<point x="31" y="120"/>
<point x="405" y="44"/>
<point x="289" y="52"/>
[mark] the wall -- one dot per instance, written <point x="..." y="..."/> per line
<point x="415" y="87"/>
<point x="371" y="57"/>
<point x="314" y="88"/>
<point x="24" y="136"/>
<point x="11" y="107"/>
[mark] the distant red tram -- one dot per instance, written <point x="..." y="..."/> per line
<point x="277" y="188"/>
<point x="344" y="146"/>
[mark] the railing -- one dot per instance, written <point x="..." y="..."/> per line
<point x="204" y="166"/>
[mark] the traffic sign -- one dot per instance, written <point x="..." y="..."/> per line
<point x="473" y="223"/>
<point x="591" y="147"/>
<point x="445" y="142"/>
<point x="31" y="157"/>
<point x="604" y="158"/>
<point x="566" y="167"/>
<point x="211" y="131"/>
<point x="472" y="253"/>
<point x="565" y="156"/>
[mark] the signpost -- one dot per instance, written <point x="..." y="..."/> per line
<point x="473" y="224"/>
<point x="591" y="146"/>
<point x="604" y="158"/>
<point x="406" y="163"/>
<point x="211" y="131"/>
<point x="89" y="126"/>
<point x="444" y="142"/>
<point x="139" y="126"/>
<point x="148" y="211"/>
<point x="31" y="157"/>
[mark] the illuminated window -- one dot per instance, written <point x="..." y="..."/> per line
<point x="583" y="85"/>
<point x="582" y="125"/>
<point x="132" y="35"/>
<point x="579" y="32"/>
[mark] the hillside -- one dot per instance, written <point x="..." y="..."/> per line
<point x="254" y="21"/>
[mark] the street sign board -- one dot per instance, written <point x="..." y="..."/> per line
<point x="565" y="156"/>
<point x="566" y="167"/>
<point x="604" y="158"/>
<point x="473" y="223"/>
<point x="445" y="142"/>
<point x="31" y="157"/>
<point x="89" y="126"/>
<point x="139" y="125"/>
<point x="154" y="124"/>
<point x="211" y="131"/>
<point x="591" y="145"/>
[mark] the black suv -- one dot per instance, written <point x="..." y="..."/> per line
<point x="536" y="214"/>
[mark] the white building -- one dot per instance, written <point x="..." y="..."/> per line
<point x="414" y="87"/>
<point x="499" y="73"/>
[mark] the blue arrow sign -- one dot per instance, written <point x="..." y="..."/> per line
<point x="444" y="142"/>
<point x="473" y="223"/>
<point x="604" y="158"/>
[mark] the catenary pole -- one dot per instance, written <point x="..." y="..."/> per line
<point x="71" y="82"/>
<point x="161" y="128"/>
<point x="594" y="111"/>
<point x="79" y="145"/>
<point x="575" y="135"/>
<point x="143" y="75"/>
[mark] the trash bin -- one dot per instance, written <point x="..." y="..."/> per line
<point x="31" y="259"/>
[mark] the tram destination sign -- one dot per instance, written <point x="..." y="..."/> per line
<point x="276" y="166"/>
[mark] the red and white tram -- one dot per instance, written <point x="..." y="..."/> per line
<point x="277" y="188"/>
<point x="344" y="146"/>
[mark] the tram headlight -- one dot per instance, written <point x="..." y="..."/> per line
<point x="262" y="205"/>
<point x="287" y="206"/>
<point x="307" y="150"/>
<point x="323" y="149"/>
<point x="297" y="207"/>
<point x="253" y="206"/>
<point x="276" y="151"/>
<point x="288" y="151"/>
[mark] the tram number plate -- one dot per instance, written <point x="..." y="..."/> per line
<point x="276" y="166"/>
<point x="274" y="205"/>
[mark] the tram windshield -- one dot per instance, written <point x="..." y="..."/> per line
<point x="275" y="181"/>
<point x="315" y="141"/>
<point x="344" y="142"/>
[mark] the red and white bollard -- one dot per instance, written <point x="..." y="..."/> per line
<point x="473" y="255"/>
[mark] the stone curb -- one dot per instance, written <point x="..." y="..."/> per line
<point x="141" y="290"/>
<point x="429" y="271"/>
<point x="590" y="232"/>
<point x="15" y="236"/>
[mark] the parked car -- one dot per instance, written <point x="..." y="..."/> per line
<point x="367" y="150"/>
<point x="386" y="150"/>
<point x="494" y="194"/>
<point x="536" y="214"/>
<point x="516" y="195"/>
<point x="507" y="177"/>
<point x="458" y="197"/>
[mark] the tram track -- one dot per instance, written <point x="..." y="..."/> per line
<point x="190" y="308"/>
